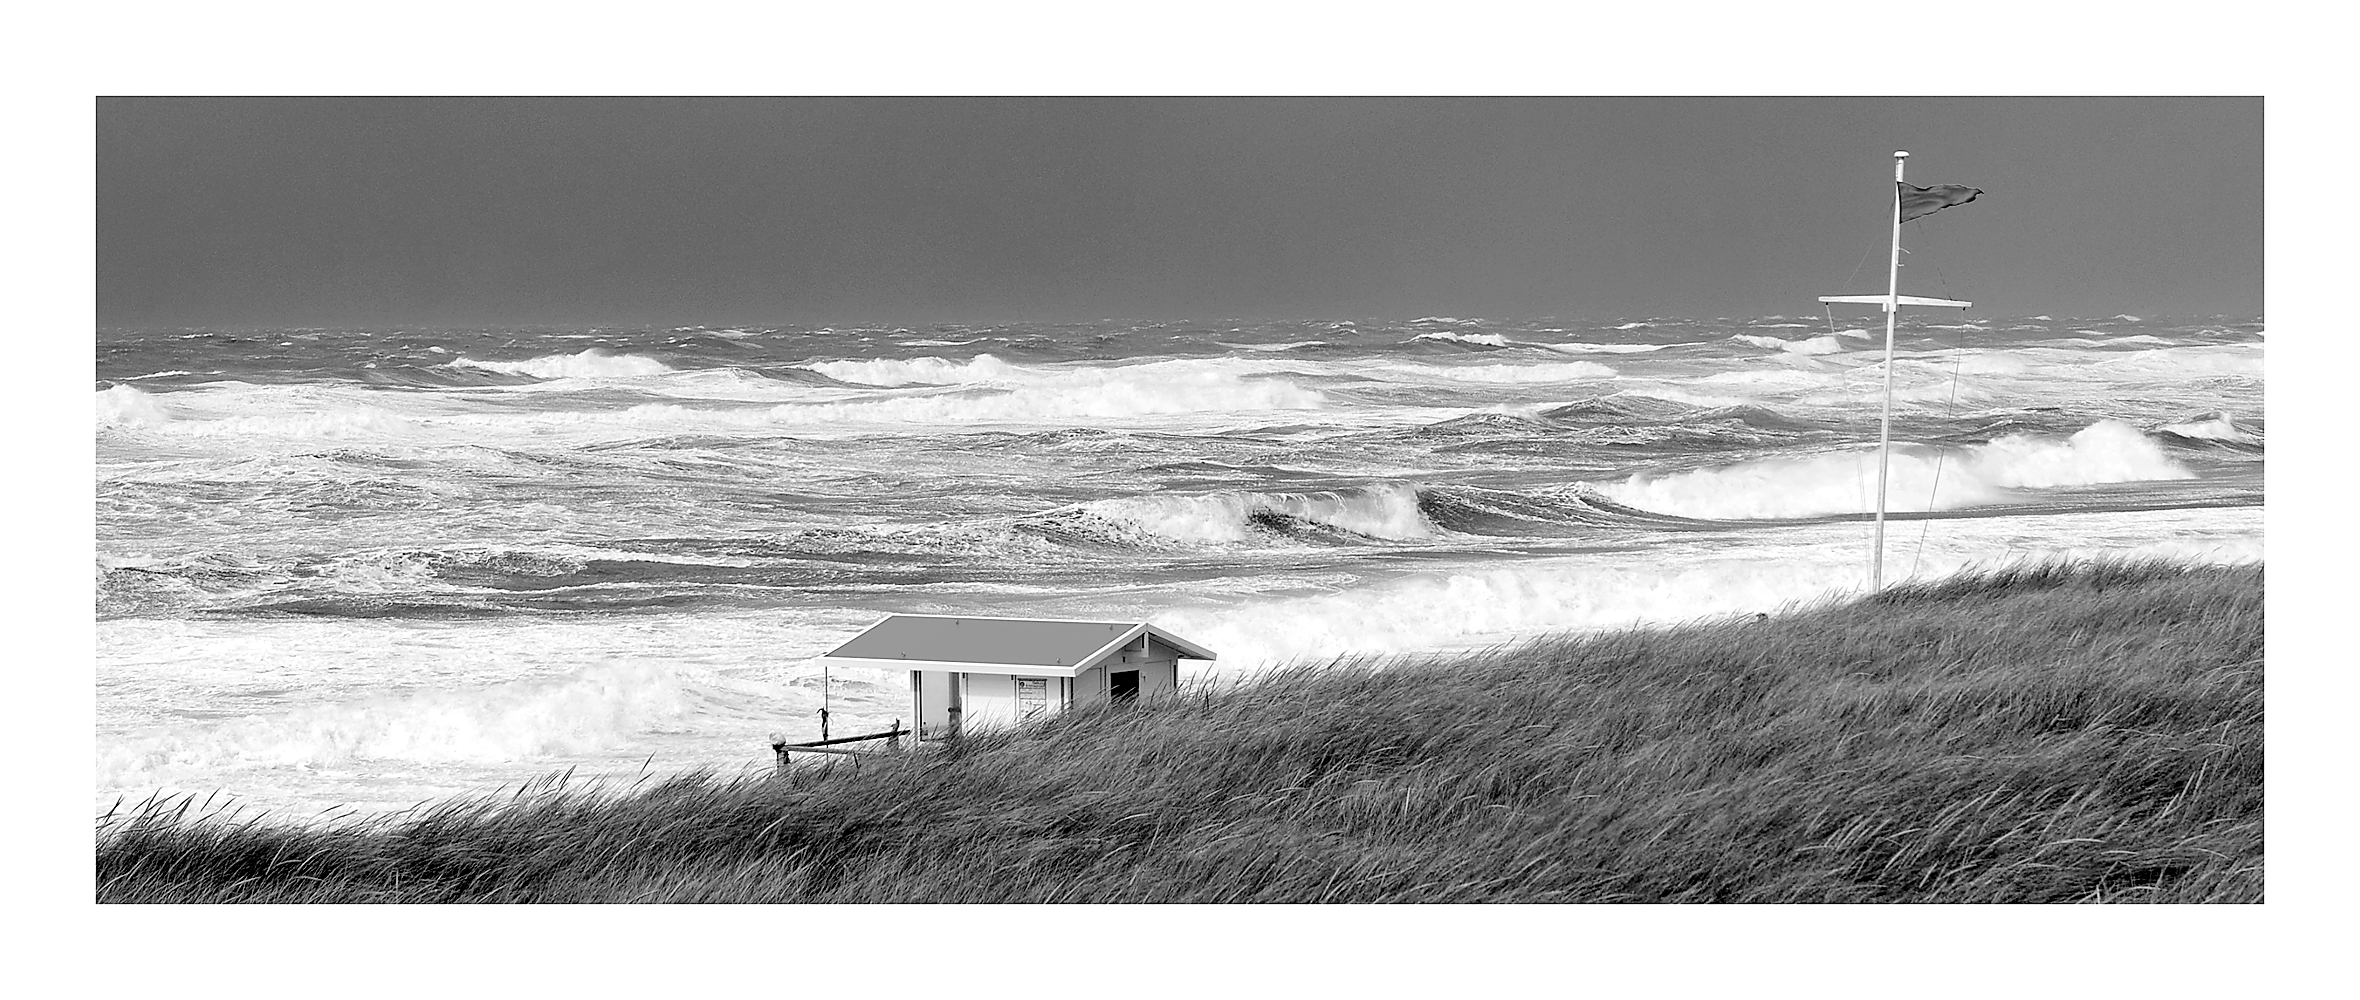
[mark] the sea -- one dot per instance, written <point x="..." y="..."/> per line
<point x="349" y="571"/>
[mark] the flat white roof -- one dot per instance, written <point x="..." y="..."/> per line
<point x="1004" y="645"/>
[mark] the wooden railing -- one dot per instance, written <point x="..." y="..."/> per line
<point x="835" y="746"/>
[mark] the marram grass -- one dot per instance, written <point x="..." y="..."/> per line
<point x="2040" y="734"/>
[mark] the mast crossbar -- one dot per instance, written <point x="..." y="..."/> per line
<point x="1907" y="300"/>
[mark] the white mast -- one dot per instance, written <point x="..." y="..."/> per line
<point x="1876" y="578"/>
<point x="1892" y="300"/>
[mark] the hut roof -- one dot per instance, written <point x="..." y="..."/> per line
<point x="1004" y="645"/>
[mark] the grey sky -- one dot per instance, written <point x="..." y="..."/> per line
<point x="505" y="211"/>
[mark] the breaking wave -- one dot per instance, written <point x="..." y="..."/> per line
<point x="1814" y="345"/>
<point x="1398" y="512"/>
<point x="1576" y="347"/>
<point x="1568" y="371"/>
<point x="1921" y="477"/>
<point x="592" y="363"/>
<point x="923" y="371"/>
<point x="1483" y="339"/>
<point x="2179" y="363"/>
<point x="1232" y="517"/>
<point x="2219" y="427"/>
<point x="1274" y="347"/>
<point x="1118" y="397"/>
<point x="123" y="405"/>
<point x="310" y="412"/>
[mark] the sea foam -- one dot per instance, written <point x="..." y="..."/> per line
<point x="592" y="708"/>
<point x="1443" y="609"/>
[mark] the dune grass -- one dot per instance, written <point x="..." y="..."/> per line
<point x="2039" y="734"/>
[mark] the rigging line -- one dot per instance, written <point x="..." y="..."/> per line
<point x="1932" y="262"/>
<point x="1861" y="497"/>
<point x="1861" y="483"/>
<point x="1856" y="268"/>
<point x="1939" y="277"/>
<point x="1949" y="410"/>
<point x="1868" y="525"/>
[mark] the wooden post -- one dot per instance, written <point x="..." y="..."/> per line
<point x="823" y="723"/>
<point x="778" y="745"/>
<point x="894" y="741"/>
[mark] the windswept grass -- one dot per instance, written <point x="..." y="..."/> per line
<point x="2040" y="734"/>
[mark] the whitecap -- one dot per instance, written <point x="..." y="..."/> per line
<point x="592" y="363"/>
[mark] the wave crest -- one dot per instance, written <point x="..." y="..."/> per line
<point x="1565" y="371"/>
<point x="1231" y="517"/>
<point x="1480" y="339"/>
<point x="1813" y="345"/>
<point x="922" y="371"/>
<point x="2218" y="427"/>
<point x="1577" y="347"/>
<point x="1920" y="478"/>
<point x="125" y="406"/>
<point x="592" y="363"/>
<point x="1198" y="392"/>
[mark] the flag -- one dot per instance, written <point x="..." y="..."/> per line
<point x="1923" y="201"/>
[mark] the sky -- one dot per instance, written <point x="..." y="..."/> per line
<point x="502" y="211"/>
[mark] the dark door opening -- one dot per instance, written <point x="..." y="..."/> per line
<point x="1123" y="685"/>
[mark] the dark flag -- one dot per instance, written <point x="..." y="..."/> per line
<point x="1922" y="201"/>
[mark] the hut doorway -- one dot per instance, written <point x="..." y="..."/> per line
<point x="957" y="702"/>
<point x="1123" y="685"/>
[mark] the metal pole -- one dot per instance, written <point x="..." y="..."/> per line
<point x="1885" y="425"/>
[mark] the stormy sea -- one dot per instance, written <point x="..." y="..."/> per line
<point x="354" y="570"/>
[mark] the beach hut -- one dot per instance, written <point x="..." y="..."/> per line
<point x="967" y="670"/>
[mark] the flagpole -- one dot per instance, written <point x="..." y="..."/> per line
<point x="1885" y="425"/>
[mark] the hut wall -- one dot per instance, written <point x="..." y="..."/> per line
<point x="1090" y="687"/>
<point x="1159" y="678"/>
<point x="991" y="700"/>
